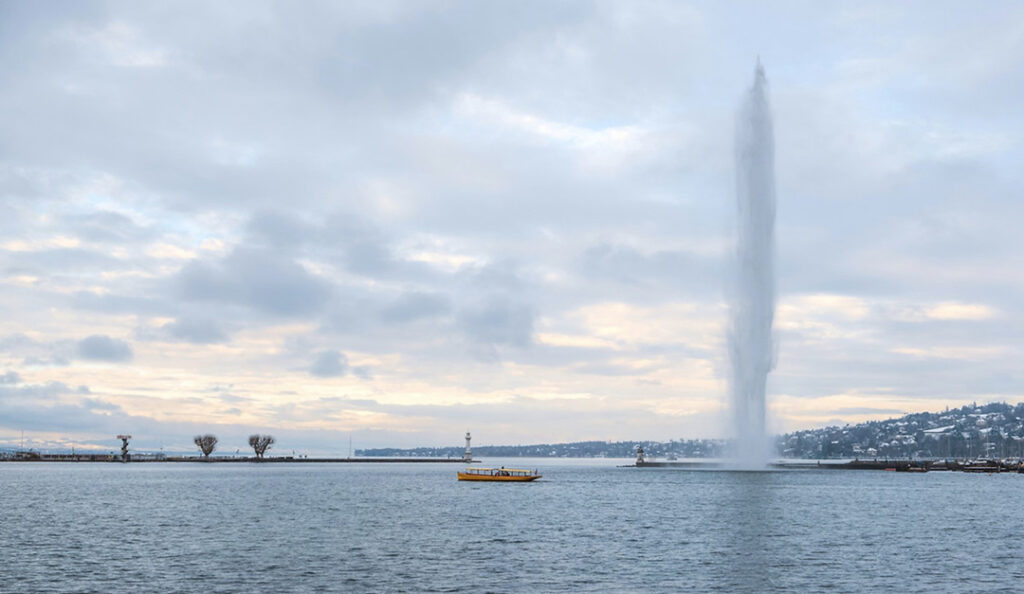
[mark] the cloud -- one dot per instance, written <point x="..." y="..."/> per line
<point x="99" y="347"/>
<point x="413" y="306"/>
<point x="280" y="229"/>
<point x="106" y="226"/>
<point x="69" y="418"/>
<point x="690" y="272"/>
<point x="959" y="311"/>
<point x="954" y="353"/>
<point x="120" y="44"/>
<point x="61" y="260"/>
<point x="261" y="279"/>
<point x="329" y="363"/>
<point x="196" y="330"/>
<point x="11" y="377"/>
<point x="867" y="410"/>
<point x="38" y="392"/>
<point x="33" y="352"/>
<point x="119" y="304"/>
<point x="554" y="188"/>
<point x="498" y="321"/>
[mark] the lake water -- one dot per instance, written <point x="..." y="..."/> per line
<point x="585" y="527"/>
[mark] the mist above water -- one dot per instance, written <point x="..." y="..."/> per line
<point x="753" y="305"/>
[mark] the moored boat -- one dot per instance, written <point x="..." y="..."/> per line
<point x="499" y="474"/>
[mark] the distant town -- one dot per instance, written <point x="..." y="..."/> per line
<point x="993" y="430"/>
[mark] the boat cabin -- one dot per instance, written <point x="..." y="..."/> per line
<point x="498" y="474"/>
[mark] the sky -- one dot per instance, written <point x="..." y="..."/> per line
<point x="398" y="221"/>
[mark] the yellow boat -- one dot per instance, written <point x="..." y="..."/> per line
<point x="498" y="474"/>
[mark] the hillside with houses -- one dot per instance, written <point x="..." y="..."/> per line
<point x="993" y="430"/>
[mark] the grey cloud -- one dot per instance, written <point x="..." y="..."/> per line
<point x="48" y="261"/>
<point x="99" y="347"/>
<point x="116" y="304"/>
<point x="498" y="322"/>
<point x="195" y="330"/>
<point x="625" y="265"/>
<point x="11" y="377"/>
<point x="47" y="391"/>
<point x="227" y="397"/>
<point x="352" y="144"/>
<point x="416" y="305"/>
<point x="97" y="404"/>
<point x="38" y="353"/>
<point x="330" y="363"/>
<point x="503" y="275"/>
<point x="11" y="223"/>
<point x="52" y="361"/>
<point x="345" y="240"/>
<point x="364" y="315"/>
<point x="324" y="103"/>
<point x="280" y="229"/>
<point x="17" y="341"/>
<point x="106" y="227"/>
<point x="370" y="258"/>
<point x="91" y="415"/>
<point x="257" y="278"/>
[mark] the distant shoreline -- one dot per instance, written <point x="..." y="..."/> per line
<point x="105" y="458"/>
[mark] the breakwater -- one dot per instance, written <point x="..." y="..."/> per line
<point x="895" y="465"/>
<point x="149" y="458"/>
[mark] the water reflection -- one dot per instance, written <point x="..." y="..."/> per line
<point x="745" y="524"/>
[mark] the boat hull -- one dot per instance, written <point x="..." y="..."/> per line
<point x="498" y="479"/>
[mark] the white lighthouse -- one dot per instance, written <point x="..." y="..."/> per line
<point x="468" y="456"/>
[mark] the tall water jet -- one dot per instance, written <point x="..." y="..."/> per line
<point x="753" y="304"/>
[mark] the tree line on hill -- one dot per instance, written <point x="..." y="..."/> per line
<point x="994" y="430"/>
<point x="682" y="448"/>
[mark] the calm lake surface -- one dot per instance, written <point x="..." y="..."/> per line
<point x="585" y="527"/>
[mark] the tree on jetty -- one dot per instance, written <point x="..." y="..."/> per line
<point x="260" y="443"/>
<point x="206" y="443"/>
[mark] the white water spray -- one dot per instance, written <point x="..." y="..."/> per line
<point x="753" y="306"/>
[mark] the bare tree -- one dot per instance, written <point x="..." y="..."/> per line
<point x="206" y="443"/>
<point x="260" y="443"/>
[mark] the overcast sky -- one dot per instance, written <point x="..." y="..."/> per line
<point x="402" y="220"/>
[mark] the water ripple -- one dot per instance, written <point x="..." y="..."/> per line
<point x="413" y="528"/>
